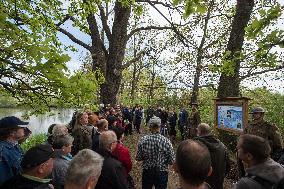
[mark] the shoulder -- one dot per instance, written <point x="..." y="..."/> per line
<point x="111" y="162"/>
<point x="5" y="145"/>
<point x="145" y="139"/>
<point x="165" y="139"/>
<point x="247" y="183"/>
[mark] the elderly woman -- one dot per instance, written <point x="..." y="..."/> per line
<point x="81" y="134"/>
<point x="55" y="130"/>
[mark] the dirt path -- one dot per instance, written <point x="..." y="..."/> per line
<point x="173" y="183"/>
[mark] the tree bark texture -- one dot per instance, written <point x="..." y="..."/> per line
<point x="229" y="85"/>
<point x="110" y="61"/>
<point x="198" y="71"/>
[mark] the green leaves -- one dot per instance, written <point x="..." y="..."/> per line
<point x="266" y="18"/>
<point x="33" y="66"/>
<point x="192" y="6"/>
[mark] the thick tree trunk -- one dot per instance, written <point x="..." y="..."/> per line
<point x="115" y="56"/>
<point x="229" y="85"/>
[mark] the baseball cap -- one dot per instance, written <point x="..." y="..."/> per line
<point x="37" y="155"/>
<point x="12" y="121"/>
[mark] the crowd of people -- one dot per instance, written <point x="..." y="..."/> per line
<point x="89" y="152"/>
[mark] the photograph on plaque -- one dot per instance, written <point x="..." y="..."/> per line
<point x="230" y="117"/>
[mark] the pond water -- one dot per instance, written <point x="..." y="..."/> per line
<point x="39" y="124"/>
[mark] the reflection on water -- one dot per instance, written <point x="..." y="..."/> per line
<point x="40" y="124"/>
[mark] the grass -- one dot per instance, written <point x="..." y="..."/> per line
<point x="33" y="140"/>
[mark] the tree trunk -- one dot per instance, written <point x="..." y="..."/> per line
<point x="229" y="85"/>
<point x="198" y="70"/>
<point x="115" y="56"/>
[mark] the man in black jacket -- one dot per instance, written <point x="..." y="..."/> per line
<point x="218" y="153"/>
<point x="113" y="175"/>
<point x="37" y="165"/>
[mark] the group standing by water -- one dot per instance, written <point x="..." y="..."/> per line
<point x="89" y="151"/>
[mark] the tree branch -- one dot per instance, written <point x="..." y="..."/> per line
<point x="67" y="17"/>
<point x="180" y="37"/>
<point x="148" y="28"/>
<point x="104" y="22"/>
<point x="135" y="59"/>
<point x="261" y="72"/>
<point x="73" y="38"/>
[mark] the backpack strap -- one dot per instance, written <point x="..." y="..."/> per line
<point x="266" y="184"/>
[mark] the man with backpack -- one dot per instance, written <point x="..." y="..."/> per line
<point x="261" y="171"/>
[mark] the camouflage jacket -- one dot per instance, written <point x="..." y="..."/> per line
<point x="267" y="131"/>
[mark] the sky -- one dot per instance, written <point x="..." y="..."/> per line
<point x="74" y="64"/>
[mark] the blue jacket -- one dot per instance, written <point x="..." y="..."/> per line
<point x="10" y="160"/>
<point x="183" y="116"/>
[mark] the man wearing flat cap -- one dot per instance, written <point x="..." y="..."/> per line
<point x="11" y="131"/>
<point x="37" y="165"/>
<point x="156" y="152"/>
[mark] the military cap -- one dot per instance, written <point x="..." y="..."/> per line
<point x="257" y="110"/>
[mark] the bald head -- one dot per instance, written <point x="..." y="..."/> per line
<point x="203" y="129"/>
<point x="193" y="162"/>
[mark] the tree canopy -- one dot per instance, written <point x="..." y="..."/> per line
<point x="195" y="44"/>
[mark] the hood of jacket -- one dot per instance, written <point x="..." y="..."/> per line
<point x="269" y="170"/>
<point x="210" y="141"/>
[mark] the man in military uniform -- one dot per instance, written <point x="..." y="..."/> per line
<point x="264" y="129"/>
<point x="193" y="121"/>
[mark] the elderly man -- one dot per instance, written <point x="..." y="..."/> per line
<point x="113" y="174"/>
<point x="156" y="152"/>
<point x="261" y="171"/>
<point x="37" y="165"/>
<point x="193" y="165"/>
<point x="84" y="170"/>
<point x="219" y="156"/>
<point x="11" y="131"/>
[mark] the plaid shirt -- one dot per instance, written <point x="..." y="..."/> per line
<point x="156" y="151"/>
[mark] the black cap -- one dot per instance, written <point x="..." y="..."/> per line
<point x="37" y="155"/>
<point x="11" y="122"/>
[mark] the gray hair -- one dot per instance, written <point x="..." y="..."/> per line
<point x="106" y="138"/>
<point x="60" y="141"/>
<point x="204" y="129"/>
<point x="84" y="165"/>
<point x="59" y="130"/>
<point x="155" y="122"/>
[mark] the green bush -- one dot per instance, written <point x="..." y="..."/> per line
<point x="33" y="140"/>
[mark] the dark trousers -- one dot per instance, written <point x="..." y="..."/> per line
<point x="182" y="131"/>
<point x="137" y="126"/>
<point x="154" y="177"/>
<point x="128" y="130"/>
